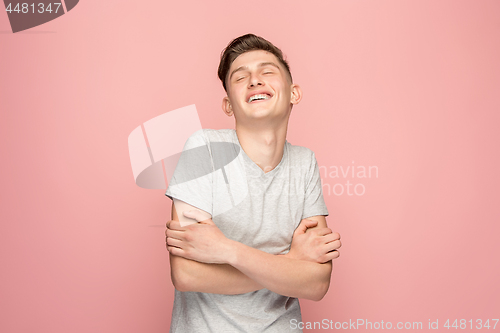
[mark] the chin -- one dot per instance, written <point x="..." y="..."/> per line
<point x="261" y="113"/>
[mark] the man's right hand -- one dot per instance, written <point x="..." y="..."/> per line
<point x="312" y="243"/>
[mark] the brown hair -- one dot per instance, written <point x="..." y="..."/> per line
<point x="242" y="44"/>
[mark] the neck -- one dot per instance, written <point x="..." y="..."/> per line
<point x="264" y="145"/>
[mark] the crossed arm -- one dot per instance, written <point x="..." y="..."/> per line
<point x="202" y="259"/>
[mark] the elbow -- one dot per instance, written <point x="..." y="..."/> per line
<point x="320" y="291"/>
<point x="317" y="291"/>
<point x="181" y="279"/>
<point x="320" y="288"/>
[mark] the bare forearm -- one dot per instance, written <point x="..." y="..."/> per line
<point x="240" y="268"/>
<point x="189" y="275"/>
<point x="251" y="270"/>
<point x="283" y="275"/>
<point x="248" y="269"/>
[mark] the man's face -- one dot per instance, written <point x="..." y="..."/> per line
<point x="258" y="88"/>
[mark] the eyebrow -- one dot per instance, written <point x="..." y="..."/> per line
<point x="262" y="64"/>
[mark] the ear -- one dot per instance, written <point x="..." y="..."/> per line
<point x="226" y="106"/>
<point x="296" y="96"/>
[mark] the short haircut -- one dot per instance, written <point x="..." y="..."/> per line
<point x="246" y="43"/>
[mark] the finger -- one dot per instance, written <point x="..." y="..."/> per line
<point x="175" y="251"/>
<point x="323" y="231"/>
<point x="304" y="224"/>
<point x="334" y="235"/>
<point x="175" y="225"/>
<point x="334" y="254"/>
<point x="329" y="256"/>
<point x="332" y="246"/>
<point x="330" y="238"/>
<point x="195" y="215"/>
<point x="311" y="223"/>
<point x="175" y="234"/>
<point x="174" y="242"/>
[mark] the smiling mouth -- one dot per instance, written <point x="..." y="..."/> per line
<point x="259" y="97"/>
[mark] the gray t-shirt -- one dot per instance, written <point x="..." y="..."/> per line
<point x="258" y="209"/>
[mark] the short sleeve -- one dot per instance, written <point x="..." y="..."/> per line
<point x="314" y="203"/>
<point x="192" y="178"/>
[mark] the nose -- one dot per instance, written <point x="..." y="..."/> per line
<point x="255" y="80"/>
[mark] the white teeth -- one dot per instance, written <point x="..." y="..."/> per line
<point x="259" y="96"/>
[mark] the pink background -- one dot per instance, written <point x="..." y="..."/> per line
<point x="408" y="86"/>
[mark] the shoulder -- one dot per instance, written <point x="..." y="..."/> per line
<point x="303" y="161"/>
<point x="301" y="155"/>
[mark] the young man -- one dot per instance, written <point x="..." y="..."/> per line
<point x="267" y="242"/>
